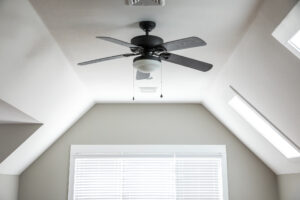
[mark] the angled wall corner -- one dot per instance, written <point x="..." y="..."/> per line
<point x="13" y="135"/>
<point x="11" y="115"/>
<point x="36" y="78"/>
<point x="15" y="127"/>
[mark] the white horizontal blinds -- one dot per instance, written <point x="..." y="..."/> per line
<point x="97" y="178"/>
<point x="199" y="178"/>
<point x="148" y="178"/>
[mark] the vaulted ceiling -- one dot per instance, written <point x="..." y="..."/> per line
<point x="44" y="40"/>
<point x="74" y="25"/>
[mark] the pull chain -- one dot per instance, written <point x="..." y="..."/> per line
<point x="161" y="92"/>
<point x="132" y="84"/>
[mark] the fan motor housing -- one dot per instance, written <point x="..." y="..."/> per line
<point x="147" y="41"/>
<point x="147" y="57"/>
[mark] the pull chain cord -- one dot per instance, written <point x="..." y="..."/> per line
<point x="161" y="92"/>
<point x="132" y="83"/>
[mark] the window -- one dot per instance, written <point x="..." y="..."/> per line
<point x="264" y="127"/>
<point x="295" y="41"/>
<point x="288" y="31"/>
<point x="148" y="172"/>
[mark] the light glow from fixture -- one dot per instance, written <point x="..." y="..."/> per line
<point x="146" y="65"/>
<point x="295" y="41"/>
<point x="266" y="129"/>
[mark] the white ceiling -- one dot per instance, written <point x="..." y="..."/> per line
<point x="44" y="81"/>
<point x="75" y="23"/>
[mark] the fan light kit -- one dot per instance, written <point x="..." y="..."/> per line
<point x="146" y="64"/>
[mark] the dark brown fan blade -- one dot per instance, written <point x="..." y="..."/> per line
<point x="119" y="42"/>
<point x="142" y="75"/>
<point x="184" y="43"/>
<point x="107" y="58"/>
<point x="187" y="62"/>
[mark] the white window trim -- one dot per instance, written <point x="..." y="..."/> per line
<point x="288" y="27"/>
<point x="297" y="34"/>
<point x="90" y="150"/>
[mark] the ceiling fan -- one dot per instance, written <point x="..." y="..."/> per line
<point x="150" y="50"/>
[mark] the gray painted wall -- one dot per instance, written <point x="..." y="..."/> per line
<point x="248" y="177"/>
<point x="13" y="135"/>
<point x="289" y="186"/>
<point x="9" y="187"/>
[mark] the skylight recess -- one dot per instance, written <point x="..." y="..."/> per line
<point x="295" y="41"/>
<point x="267" y="130"/>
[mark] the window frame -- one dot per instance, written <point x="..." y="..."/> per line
<point x="94" y="150"/>
<point x="287" y="28"/>
<point x="292" y="43"/>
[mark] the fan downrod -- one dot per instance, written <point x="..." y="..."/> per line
<point x="147" y="26"/>
<point x="148" y="42"/>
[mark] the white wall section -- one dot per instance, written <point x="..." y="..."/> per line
<point x="9" y="185"/>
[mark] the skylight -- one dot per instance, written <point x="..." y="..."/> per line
<point x="266" y="129"/>
<point x="295" y="41"/>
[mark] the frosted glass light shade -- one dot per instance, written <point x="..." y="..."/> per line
<point x="146" y="65"/>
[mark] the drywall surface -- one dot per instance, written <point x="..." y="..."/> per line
<point x="9" y="187"/>
<point x="289" y="186"/>
<point x="266" y="73"/>
<point x="12" y="135"/>
<point x="11" y="115"/>
<point x="37" y="79"/>
<point x="248" y="177"/>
